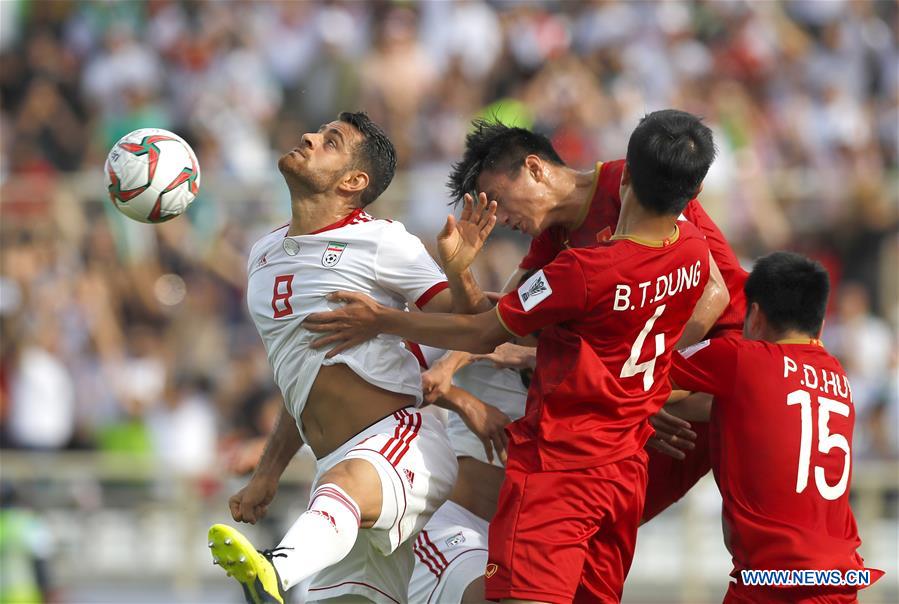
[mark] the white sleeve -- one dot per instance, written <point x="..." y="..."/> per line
<point x="405" y="267"/>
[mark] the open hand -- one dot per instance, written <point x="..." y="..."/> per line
<point x="673" y="435"/>
<point x="486" y="421"/>
<point x="460" y="240"/>
<point x="355" y="323"/>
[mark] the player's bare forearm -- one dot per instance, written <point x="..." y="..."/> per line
<point x="711" y="304"/>
<point x="282" y="445"/>
<point x="473" y="333"/>
<point x="484" y="420"/>
<point x="479" y="333"/>
<point x="468" y="297"/>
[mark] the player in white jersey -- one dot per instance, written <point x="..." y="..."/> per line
<point x="451" y="551"/>
<point x="382" y="466"/>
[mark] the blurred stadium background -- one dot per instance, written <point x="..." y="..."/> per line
<point x="134" y="386"/>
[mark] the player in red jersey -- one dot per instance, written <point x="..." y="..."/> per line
<point x="609" y="317"/>
<point x="782" y="395"/>
<point x="562" y="208"/>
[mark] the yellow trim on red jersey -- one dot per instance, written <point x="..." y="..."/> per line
<point x="809" y="341"/>
<point x="503" y="323"/>
<point x="650" y="242"/>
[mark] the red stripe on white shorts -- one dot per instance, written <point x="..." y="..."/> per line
<point x="433" y="547"/>
<point x="422" y="555"/>
<point x="422" y="544"/>
<point x="403" y="447"/>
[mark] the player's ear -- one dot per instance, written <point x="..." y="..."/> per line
<point x="354" y="182"/>
<point x="625" y="176"/>
<point x="534" y="166"/>
<point x="755" y="322"/>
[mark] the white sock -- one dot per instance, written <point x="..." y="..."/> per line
<point x="323" y="535"/>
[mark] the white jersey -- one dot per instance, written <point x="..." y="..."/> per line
<point x="501" y="388"/>
<point x="289" y="277"/>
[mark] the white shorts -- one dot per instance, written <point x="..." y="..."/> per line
<point x="501" y="388"/>
<point x="450" y="553"/>
<point x="417" y="467"/>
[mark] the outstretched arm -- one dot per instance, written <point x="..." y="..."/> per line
<point x="251" y="502"/>
<point x="473" y="333"/>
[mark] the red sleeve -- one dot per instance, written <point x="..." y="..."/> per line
<point x="552" y="295"/>
<point x="541" y="252"/>
<point x="724" y="256"/>
<point x="709" y="366"/>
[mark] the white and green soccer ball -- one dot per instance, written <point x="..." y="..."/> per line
<point x="152" y="175"/>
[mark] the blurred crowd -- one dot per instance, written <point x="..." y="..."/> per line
<point x="124" y="337"/>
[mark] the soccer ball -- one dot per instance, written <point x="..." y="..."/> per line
<point x="152" y="175"/>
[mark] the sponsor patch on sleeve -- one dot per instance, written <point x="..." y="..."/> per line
<point x="534" y="291"/>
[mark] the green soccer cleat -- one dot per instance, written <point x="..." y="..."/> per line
<point x="252" y="569"/>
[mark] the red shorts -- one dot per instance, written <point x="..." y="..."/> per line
<point x="566" y="536"/>
<point x="745" y="594"/>
<point x="670" y="479"/>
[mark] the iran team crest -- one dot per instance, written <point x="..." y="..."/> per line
<point x="332" y="253"/>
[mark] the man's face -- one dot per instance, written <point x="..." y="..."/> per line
<point x="322" y="158"/>
<point x="522" y="201"/>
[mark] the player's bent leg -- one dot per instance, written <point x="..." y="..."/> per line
<point x="323" y="535"/>
<point x="345" y="498"/>
<point x="415" y="467"/>
<point x="359" y="479"/>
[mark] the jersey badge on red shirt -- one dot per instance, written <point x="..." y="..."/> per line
<point x="534" y="291"/>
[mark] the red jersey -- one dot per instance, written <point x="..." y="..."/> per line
<point x="610" y="316"/>
<point x="781" y="438"/>
<point x="599" y="224"/>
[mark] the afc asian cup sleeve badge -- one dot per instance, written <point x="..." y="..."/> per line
<point x="332" y="254"/>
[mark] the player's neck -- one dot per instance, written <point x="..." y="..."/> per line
<point x="310" y="214"/>
<point x="790" y="336"/>
<point x="576" y="194"/>
<point x="637" y="222"/>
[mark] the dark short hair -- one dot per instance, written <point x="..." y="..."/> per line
<point x="668" y="155"/>
<point x="791" y="290"/>
<point x="491" y="146"/>
<point x="376" y="155"/>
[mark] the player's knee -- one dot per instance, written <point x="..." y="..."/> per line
<point x="360" y="480"/>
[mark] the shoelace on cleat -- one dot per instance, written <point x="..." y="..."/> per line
<point x="274" y="552"/>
